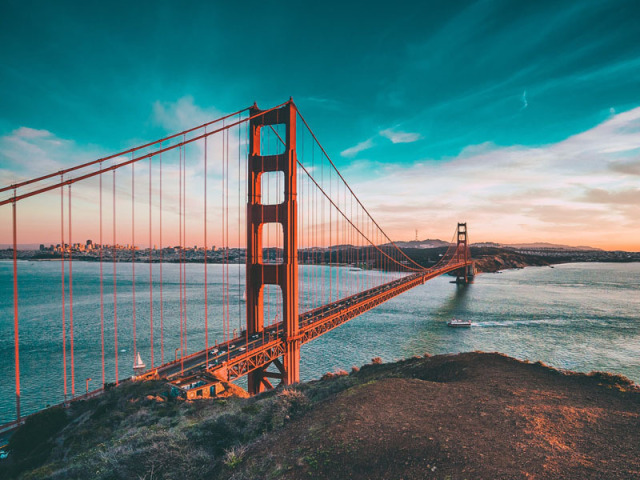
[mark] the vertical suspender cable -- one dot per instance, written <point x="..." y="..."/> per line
<point x="276" y="241"/>
<point x="161" y="262"/>
<point x="228" y="241"/>
<point x="246" y="196"/>
<point x="101" y="287"/>
<point x="304" y="207"/>
<point x="73" y="373"/>
<point x="133" y="258"/>
<point x="316" y="208"/>
<point x="225" y="134"/>
<point x="16" y="333"/>
<point x="184" y="237"/>
<point x="180" y="256"/>
<point x="224" y="331"/>
<point x="323" y="215"/>
<point x="339" y="241"/>
<point x="150" y="268"/>
<point x="330" y="237"/>
<point x="266" y="197"/>
<point x="62" y="260"/>
<point x="239" y="134"/>
<point x="227" y="217"/>
<point x="206" y="308"/>
<point x="114" y="252"/>
<point x="313" y="234"/>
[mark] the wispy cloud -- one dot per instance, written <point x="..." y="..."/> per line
<point x="182" y="114"/>
<point x="525" y="103"/>
<point x="27" y="152"/>
<point x="353" y="151"/>
<point x="624" y="196"/>
<point x="396" y="136"/>
<point x="400" y="137"/>
<point x="327" y="103"/>
<point x="583" y="190"/>
<point x="631" y="168"/>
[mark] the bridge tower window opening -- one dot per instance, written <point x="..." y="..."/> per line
<point x="272" y="188"/>
<point x="272" y="305"/>
<point x="273" y="243"/>
<point x="272" y="140"/>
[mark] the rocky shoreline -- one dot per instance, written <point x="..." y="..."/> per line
<point x="506" y="261"/>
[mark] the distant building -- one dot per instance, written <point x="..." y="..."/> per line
<point x="196" y="387"/>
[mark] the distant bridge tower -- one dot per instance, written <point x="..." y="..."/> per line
<point x="464" y="275"/>
<point x="259" y="274"/>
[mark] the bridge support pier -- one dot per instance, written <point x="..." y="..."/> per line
<point x="465" y="275"/>
<point x="259" y="274"/>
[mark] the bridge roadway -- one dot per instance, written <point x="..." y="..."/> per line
<point x="243" y="354"/>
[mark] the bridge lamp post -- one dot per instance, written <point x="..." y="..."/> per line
<point x="176" y="353"/>
<point x="87" y="383"/>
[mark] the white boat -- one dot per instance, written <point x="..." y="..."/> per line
<point x="459" y="323"/>
<point x="139" y="364"/>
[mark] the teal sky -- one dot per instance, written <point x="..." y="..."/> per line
<point x="397" y="84"/>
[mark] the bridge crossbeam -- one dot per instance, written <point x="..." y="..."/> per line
<point x="255" y="360"/>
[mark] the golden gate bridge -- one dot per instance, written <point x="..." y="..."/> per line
<point x="256" y="182"/>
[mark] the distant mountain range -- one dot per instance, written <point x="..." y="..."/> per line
<point x="429" y="243"/>
<point x="423" y="244"/>
<point x="536" y="246"/>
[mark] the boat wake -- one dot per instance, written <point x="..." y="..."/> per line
<point x="515" y="323"/>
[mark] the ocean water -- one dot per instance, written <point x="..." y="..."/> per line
<point x="581" y="317"/>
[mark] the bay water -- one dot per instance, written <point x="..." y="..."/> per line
<point x="580" y="316"/>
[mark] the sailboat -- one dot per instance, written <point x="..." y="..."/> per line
<point x="139" y="364"/>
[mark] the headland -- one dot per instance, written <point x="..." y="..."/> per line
<point x="470" y="415"/>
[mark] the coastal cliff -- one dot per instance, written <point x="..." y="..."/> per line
<point x="471" y="415"/>
<point x="507" y="260"/>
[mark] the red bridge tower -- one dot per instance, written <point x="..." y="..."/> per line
<point x="464" y="275"/>
<point x="285" y="274"/>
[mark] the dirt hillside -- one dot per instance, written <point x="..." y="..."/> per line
<point x="466" y="416"/>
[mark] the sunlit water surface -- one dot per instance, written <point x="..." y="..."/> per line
<point x="576" y="316"/>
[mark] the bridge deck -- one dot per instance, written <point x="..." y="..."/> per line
<point x="241" y="355"/>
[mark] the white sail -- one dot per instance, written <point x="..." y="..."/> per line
<point x="138" y="363"/>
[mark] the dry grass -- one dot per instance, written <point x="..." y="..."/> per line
<point x="129" y="433"/>
<point x="233" y="456"/>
